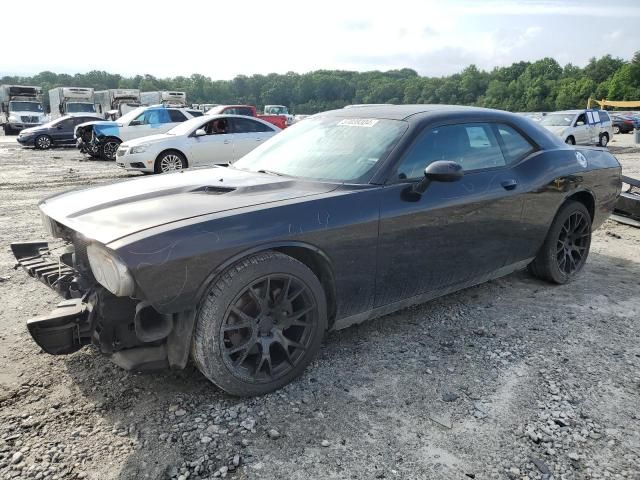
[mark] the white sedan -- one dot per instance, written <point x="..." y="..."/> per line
<point x="202" y="141"/>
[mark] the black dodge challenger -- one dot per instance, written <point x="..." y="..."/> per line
<point x="347" y="215"/>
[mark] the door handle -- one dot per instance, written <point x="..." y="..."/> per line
<point x="510" y="184"/>
<point x="258" y="139"/>
<point x="226" y="142"/>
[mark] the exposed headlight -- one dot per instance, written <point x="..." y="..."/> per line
<point x="49" y="225"/>
<point x="13" y="118"/>
<point x="109" y="271"/>
<point x="139" y="148"/>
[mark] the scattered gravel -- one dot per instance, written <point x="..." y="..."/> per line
<point x="514" y="379"/>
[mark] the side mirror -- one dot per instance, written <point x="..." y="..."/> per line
<point x="199" y="132"/>
<point x="135" y="123"/>
<point x="440" y="171"/>
<point x="579" y="123"/>
<point x="59" y="127"/>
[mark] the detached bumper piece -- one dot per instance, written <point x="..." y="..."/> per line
<point x="627" y="208"/>
<point x="66" y="329"/>
<point x="37" y="260"/>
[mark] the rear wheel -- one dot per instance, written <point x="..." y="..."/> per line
<point x="260" y="324"/>
<point x="616" y="129"/>
<point x="109" y="148"/>
<point x="42" y="142"/>
<point x="570" y="140"/>
<point x="169" y="162"/>
<point x="566" y="248"/>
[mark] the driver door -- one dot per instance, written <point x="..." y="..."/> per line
<point x="214" y="148"/>
<point x="582" y="130"/>
<point x="455" y="233"/>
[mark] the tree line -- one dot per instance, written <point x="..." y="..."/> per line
<point x="543" y="85"/>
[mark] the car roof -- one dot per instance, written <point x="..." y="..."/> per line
<point x="404" y="112"/>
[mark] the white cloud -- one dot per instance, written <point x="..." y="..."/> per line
<point x="221" y="41"/>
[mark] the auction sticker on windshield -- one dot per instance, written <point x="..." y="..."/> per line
<point x="358" y="122"/>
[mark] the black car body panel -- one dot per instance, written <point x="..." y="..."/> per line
<point x="59" y="130"/>
<point x="374" y="249"/>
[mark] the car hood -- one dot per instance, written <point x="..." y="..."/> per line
<point x="32" y="130"/>
<point x="149" y="139"/>
<point x="110" y="212"/>
<point x="558" y="130"/>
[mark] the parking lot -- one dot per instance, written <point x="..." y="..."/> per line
<point x="515" y="378"/>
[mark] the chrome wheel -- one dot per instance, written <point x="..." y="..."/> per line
<point x="171" y="162"/>
<point x="616" y="129"/>
<point x="573" y="243"/>
<point x="109" y="149"/>
<point x="268" y="328"/>
<point x="43" y="142"/>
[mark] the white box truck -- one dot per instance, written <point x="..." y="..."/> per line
<point x="71" y="101"/>
<point x="164" y="97"/>
<point x="20" y="107"/>
<point x="114" y="103"/>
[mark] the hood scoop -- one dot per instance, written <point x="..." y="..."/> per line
<point x="211" y="190"/>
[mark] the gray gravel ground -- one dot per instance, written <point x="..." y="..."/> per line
<point x="514" y="379"/>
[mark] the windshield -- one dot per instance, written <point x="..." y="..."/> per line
<point x="188" y="126"/>
<point x="25" y="107"/>
<point x="557" y="119"/>
<point x="327" y="148"/>
<point x="127" y="117"/>
<point x="80" y="108"/>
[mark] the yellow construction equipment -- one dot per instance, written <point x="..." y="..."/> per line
<point x="613" y="103"/>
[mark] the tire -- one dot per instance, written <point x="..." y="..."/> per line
<point x="42" y="142"/>
<point x="235" y="311"/>
<point x="570" y="140"/>
<point x="7" y="129"/>
<point x="170" y="161"/>
<point x="554" y="263"/>
<point x="616" y="129"/>
<point x="604" y="140"/>
<point x="107" y="150"/>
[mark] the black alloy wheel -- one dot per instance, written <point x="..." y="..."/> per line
<point x="566" y="247"/>
<point x="259" y="324"/>
<point x="573" y="243"/>
<point x="267" y="328"/>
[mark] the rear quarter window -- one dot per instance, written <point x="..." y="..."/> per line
<point x="515" y="146"/>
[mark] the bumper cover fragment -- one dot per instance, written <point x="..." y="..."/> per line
<point x="37" y="260"/>
<point x="627" y="208"/>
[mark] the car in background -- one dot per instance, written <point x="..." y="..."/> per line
<point x="56" y="133"/>
<point x="205" y="141"/>
<point x="279" y="121"/>
<point x="347" y="216"/>
<point x="622" y="123"/>
<point x="580" y="127"/>
<point x="102" y="138"/>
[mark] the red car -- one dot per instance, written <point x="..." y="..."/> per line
<point x="279" y="121"/>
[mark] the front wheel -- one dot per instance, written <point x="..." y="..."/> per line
<point x="43" y="142"/>
<point x="604" y="140"/>
<point x="260" y="324"/>
<point x="109" y="148"/>
<point x="566" y="248"/>
<point x="170" y="162"/>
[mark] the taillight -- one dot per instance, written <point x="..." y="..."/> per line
<point x="628" y="121"/>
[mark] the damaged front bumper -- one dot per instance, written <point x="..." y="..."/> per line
<point x="627" y="208"/>
<point x="130" y="331"/>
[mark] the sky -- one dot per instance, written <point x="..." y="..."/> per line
<point x="224" y="39"/>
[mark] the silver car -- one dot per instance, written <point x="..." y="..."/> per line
<point x="580" y="127"/>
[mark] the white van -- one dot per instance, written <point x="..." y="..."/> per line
<point x="580" y="127"/>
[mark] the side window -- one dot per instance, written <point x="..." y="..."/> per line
<point x="66" y="124"/>
<point x="218" y="126"/>
<point x="472" y="145"/>
<point x="515" y="145"/>
<point x="152" y="117"/>
<point x="176" y="116"/>
<point x="604" y="116"/>
<point x="245" y="125"/>
<point x="581" y="118"/>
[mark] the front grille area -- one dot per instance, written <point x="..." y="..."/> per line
<point x="27" y="119"/>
